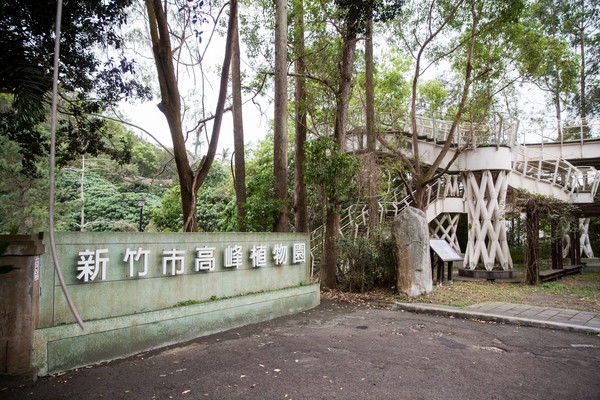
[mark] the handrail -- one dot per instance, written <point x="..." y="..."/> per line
<point x="555" y="170"/>
<point x="500" y="132"/>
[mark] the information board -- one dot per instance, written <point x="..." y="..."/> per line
<point x="444" y="250"/>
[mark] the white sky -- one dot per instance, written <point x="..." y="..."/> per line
<point x="149" y="117"/>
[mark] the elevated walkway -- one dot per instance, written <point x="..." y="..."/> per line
<point x="483" y="163"/>
<point x="577" y="152"/>
<point x="528" y="168"/>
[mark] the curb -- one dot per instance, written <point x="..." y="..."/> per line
<point x="449" y="311"/>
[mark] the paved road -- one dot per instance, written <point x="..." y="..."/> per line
<point x="339" y="351"/>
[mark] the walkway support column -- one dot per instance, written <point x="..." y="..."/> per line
<point x="485" y="197"/>
<point x="584" y="238"/>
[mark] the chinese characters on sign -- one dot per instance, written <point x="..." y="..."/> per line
<point x="132" y="256"/>
<point x="92" y="263"/>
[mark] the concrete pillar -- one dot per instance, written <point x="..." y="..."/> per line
<point x="19" y="306"/>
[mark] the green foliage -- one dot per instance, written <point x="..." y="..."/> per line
<point x="331" y="172"/>
<point x="105" y="207"/>
<point x="261" y="207"/>
<point x="145" y="156"/>
<point x="432" y="95"/>
<point x="392" y="92"/>
<point x="211" y="202"/>
<point x="355" y="13"/>
<point x="545" y="51"/>
<point x="169" y="216"/>
<point x="187" y="303"/>
<point x="366" y="263"/>
<point x="110" y="192"/>
<point x="23" y="199"/>
<point x="26" y="62"/>
<point x="213" y="198"/>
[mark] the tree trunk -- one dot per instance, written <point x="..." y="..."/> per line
<point x="371" y="159"/>
<point x="420" y="196"/>
<point x="329" y="263"/>
<point x="583" y="106"/>
<point x="532" y="266"/>
<point x="238" y="132"/>
<point x="556" y="249"/>
<point x="300" y="193"/>
<point x="280" y="117"/>
<point x="202" y="171"/>
<point x="557" y="109"/>
<point x="345" y="90"/>
<point x="332" y="224"/>
<point x="170" y="105"/>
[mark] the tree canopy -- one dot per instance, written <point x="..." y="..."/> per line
<point x="94" y="73"/>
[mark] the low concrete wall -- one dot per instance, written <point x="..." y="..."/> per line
<point x="137" y="292"/>
<point x="66" y="347"/>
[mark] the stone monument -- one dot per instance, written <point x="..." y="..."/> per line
<point x="411" y="248"/>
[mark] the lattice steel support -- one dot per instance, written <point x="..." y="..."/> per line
<point x="584" y="239"/>
<point x="566" y="239"/>
<point x="445" y="226"/>
<point x="485" y="197"/>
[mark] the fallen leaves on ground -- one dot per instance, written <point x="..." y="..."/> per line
<point x="370" y="298"/>
<point x="577" y="292"/>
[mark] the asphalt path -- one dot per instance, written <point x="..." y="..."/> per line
<point x="341" y="351"/>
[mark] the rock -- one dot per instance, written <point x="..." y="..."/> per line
<point x="411" y="248"/>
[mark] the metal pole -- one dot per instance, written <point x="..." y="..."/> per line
<point x="141" y="218"/>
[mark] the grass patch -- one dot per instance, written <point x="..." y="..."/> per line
<point x="578" y="292"/>
<point x="187" y="303"/>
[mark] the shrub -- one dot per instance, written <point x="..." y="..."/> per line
<point x="366" y="263"/>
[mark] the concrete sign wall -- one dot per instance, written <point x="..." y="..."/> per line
<point x="116" y="274"/>
<point x="144" y="290"/>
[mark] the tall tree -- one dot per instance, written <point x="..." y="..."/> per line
<point x="352" y="16"/>
<point x="300" y="193"/>
<point x="332" y="172"/>
<point x="486" y="43"/>
<point x="582" y="28"/>
<point x="239" y="177"/>
<point x="190" y="178"/>
<point x="371" y="157"/>
<point x="349" y="29"/>
<point x="280" y="116"/>
<point x="557" y="73"/>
